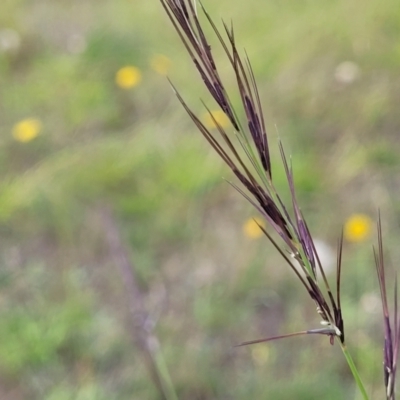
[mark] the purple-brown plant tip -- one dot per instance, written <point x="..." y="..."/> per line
<point x="243" y="146"/>
<point x="391" y="324"/>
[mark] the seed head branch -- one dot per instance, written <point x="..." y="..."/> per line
<point x="249" y="159"/>
<point x="391" y="325"/>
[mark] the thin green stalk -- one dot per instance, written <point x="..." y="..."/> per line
<point x="354" y="371"/>
<point x="145" y="340"/>
<point x="168" y="386"/>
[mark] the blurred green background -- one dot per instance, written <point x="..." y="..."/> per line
<point x="89" y="123"/>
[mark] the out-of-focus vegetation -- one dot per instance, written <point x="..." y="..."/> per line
<point x="88" y="121"/>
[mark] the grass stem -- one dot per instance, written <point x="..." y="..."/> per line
<point x="144" y="338"/>
<point x="168" y="386"/>
<point x="354" y="371"/>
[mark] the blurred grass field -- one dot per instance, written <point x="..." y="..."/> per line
<point x="79" y="133"/>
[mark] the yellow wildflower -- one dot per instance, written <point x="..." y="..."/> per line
<point x="217" y="115"/>
<point x="252" y="229"/>
<point x="128" y="77"/>
<point x="160" y="64"/>
<point x="26" y="130"/>
<point x="357" y="228"/>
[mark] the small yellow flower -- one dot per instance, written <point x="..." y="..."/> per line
<point x="27" y="129"/>
<point x="251" y="228"/>
<point x="260" y="355"/>
<point x="160" y="64"/>
<point x="128" y="77"/>
<point x="357" y="228"/>
<point x="220" y="118"/>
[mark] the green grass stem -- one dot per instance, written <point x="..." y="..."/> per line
<point x="354" y="371"/>
<point x="161" y="365"/>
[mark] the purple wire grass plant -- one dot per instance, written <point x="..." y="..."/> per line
<point x="244" y="148"/>
<point x="391" y="325"/>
